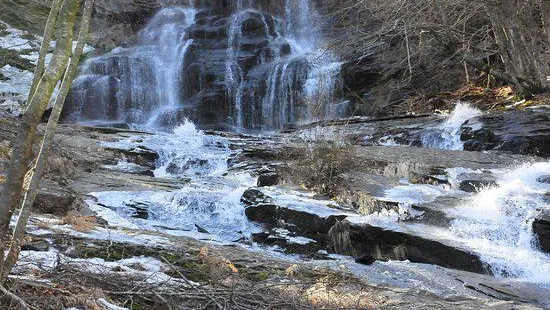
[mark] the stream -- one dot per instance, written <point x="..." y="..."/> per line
<point x="216" y="87"/>
<point x="495" y="223"/>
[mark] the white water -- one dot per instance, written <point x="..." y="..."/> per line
<point x="447" y="135"/>
<point x="210" y="200"/>
<point x="300" y="87"/>
<point x="497" y="224"/>
<point x="233" y="72"/>
<point x="139" y="84"/>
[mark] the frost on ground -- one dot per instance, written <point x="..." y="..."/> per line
<point x="15" y="82"/>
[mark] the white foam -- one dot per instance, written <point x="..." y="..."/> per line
<point x="497" y="223"/>
<point x="447" y="135"/>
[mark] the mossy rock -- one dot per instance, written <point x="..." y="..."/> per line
<point x="13" y="58"/>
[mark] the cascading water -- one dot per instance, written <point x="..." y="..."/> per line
<point x="210" y="200"/>
<point x="320" y="82"/>
<point x="447" y="135"/>
<point x="497" y="224"/>
<point x="136" y="85"/>
<point x="234" y="74"/>
<point x="228" y="68"/>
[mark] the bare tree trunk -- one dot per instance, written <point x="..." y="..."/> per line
<point x="26" y="133"/>
<point x="48" y="34"/>
<point x="521" y="32"/>
<point x="545" y="12"/>
<point x="30" y="195"/>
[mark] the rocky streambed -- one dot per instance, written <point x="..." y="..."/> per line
<point x="421" y="220"/>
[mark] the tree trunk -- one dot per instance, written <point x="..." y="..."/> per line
<point x="30" y="195"/>
<point x="48" y="34"/>
<point x="522" y="33"/>
<point x="23" y="143"/>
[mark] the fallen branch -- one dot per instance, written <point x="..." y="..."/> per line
<point x="12" y="296"/>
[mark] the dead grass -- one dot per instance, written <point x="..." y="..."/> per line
<point x="71" y="286"/>
<point x="215" y="282"/>
<point x="79" y="223"/>
<point x="320" y="166"/>
<point x="485" y="99"/>
<point x="5" y="150"/>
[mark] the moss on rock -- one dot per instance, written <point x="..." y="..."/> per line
<point x="13" y="58"/>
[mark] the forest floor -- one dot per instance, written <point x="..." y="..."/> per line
<point x="484" y="99"/>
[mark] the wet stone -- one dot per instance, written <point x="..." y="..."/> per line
<point x="475" y="182"/>
<point x="474" y="186"/>
<point x="428" y="179"/>
<point x="544" y="179"/>
<point x="140" y="210"/>
<point x="367" y="243"/>
<point x="268" y="179"/>
<point x="254" y="197"/>
<point x="541" y="227"/>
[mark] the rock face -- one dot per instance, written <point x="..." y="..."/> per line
<point x="369" y="243"/>
<point x="541" y="227"/>
<point x="115" y="23"/>
<point x="524" y="132"/>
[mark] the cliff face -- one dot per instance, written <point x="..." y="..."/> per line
<point x="116" y="22"/>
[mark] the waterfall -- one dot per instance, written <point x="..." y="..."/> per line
<point x="242" y="69"/>
<point x="234" y="74"/>
<point x="139" y="84"/>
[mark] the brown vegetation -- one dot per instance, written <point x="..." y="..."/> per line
<point x="319" y="165"/>
<point x="200" y="279"/>
<point x="418" y="48"/>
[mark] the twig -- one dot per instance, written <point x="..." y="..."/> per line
<point x="21" y="302"/>
<point x="212" y="298"/>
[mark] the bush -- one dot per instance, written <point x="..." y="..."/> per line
<point x="320" y="164"/>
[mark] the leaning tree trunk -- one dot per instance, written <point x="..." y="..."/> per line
<point x="38" y="169"/>
<point x="26" y="133"/>
<point x="48" y="34"/>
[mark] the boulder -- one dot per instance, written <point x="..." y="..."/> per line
<point x="254" y="197"/>
<point x="268" y="179"/>
<point x="474" y="186"/>
<point x="56" y="203"/>
<point x="541" y="227"/>
<point x="475" y="182"/>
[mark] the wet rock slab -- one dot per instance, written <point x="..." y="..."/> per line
<point x="350" y="234"/>
<point x="367" y="243"/>
<point x="523" y="132"/>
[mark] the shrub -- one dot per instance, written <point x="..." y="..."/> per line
<point x="320" y="164"/>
